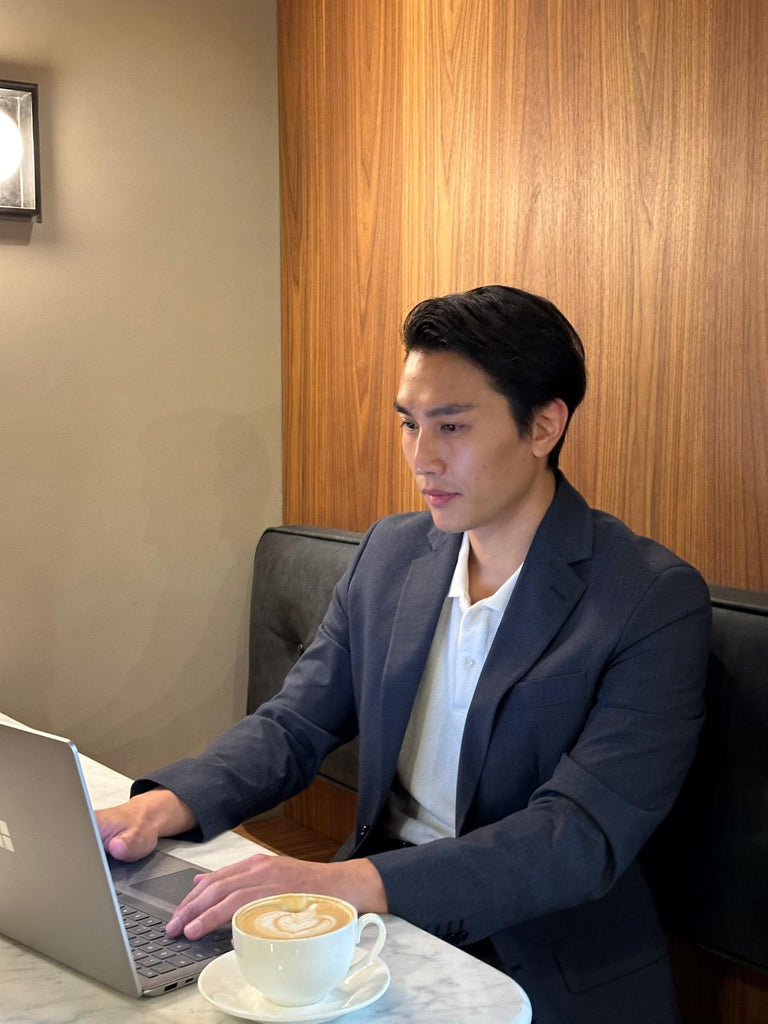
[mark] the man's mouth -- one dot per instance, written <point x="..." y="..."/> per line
<point x="438" y="499"/>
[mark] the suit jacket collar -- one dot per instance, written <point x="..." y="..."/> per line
<point x="418" y="610"/>
<point x="547" y="591"/>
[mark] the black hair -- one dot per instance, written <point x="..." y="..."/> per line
<point x="525" y="346"/>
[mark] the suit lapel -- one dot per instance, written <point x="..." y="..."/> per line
<point x="418" y="611"/>
<point x="547" y="591"/>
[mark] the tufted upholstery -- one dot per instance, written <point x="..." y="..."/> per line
<point x="708" y="863"/>
<point x="295" y="569"/>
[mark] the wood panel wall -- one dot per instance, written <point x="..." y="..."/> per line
<point x="609" y="154"/>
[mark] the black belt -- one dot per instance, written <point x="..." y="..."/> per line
<point x="380" y="841"/>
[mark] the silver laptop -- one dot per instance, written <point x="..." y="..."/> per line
<point x="61" y="895"/>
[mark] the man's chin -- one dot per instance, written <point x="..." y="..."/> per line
<point x="446" y="523"/>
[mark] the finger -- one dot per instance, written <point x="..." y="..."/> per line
<point x="212" y="890"/>
<point x="117" y="847"/>
<point x="220" y="915"/>
<point x="242" y="872"/>
<point x="211" y="908"/>
<point x="122" y="836"/>
<point x="128" y="846"/>
<point x="217" y="894"/>
<point x="203" y="882"/>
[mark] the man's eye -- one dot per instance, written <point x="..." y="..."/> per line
<point x="407" y="425"/>
<point x="449" y="428"/>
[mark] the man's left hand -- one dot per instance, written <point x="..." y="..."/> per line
<point x="216" y="895"/>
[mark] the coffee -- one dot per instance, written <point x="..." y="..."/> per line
<point x="294" y="916"/>
<point x="316" y="941"/>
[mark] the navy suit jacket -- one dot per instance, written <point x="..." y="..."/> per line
<point x="582" y="727"/>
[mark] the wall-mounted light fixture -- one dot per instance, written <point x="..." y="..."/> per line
<point x="19" y="151"/>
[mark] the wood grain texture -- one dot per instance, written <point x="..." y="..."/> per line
<point x="286" y="836"/>
<point x="713" y="991"/>
<point x="610" y="154"/>
<point x="341" y="180"/>
<point x="325" y="807"/>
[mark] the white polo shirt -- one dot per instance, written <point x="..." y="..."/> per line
<point x="422" y="804"/>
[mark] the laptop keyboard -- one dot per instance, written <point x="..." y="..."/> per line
<point x="156" y="953"/>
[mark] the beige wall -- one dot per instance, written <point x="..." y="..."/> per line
<point x="139" y="370"/>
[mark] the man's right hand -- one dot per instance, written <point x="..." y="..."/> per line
<point x="130" y="831"/>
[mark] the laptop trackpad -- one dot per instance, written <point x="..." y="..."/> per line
<point x="159" y="879"/>
<point x="170" y="888"/>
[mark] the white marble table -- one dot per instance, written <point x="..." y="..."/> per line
<point x="431" y="980"/>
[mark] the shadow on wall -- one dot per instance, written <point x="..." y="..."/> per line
<point x="15" y="232"/>
<point x="144" y="655"/>
<point x="188" y="680"/>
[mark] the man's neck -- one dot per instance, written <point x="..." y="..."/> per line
<point x="497" y="551"/>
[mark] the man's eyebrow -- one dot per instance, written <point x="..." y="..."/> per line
<point x="451" y="409"/>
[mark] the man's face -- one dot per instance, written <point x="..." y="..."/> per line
<point x="463" y="447"/>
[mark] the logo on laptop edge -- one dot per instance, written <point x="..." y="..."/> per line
<point x="5" y="838"/>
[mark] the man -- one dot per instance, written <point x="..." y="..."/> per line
<point x="525" y="675"/>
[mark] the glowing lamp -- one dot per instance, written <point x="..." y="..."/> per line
<point x="19" y="157"/>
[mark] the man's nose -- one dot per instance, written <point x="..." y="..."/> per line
<point x="426" y="457"/>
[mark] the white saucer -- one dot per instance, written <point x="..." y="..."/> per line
<point x="223" y="985"/>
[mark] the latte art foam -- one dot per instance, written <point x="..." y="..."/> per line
<point x="294" y="917"/>
<point x="284" y="924"/>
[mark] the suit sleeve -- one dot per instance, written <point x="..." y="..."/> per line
<point x="585" y="825"/>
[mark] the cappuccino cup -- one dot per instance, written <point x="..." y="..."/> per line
<point x="297" y="947"/>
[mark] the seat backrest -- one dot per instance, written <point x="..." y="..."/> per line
<point x="708" y="862"/>
<point x="295" y="569"/>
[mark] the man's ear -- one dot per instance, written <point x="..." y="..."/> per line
<point x="549" y="423"/>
